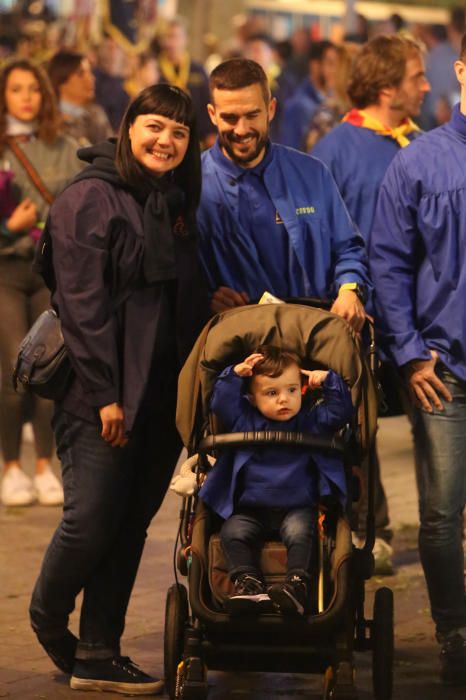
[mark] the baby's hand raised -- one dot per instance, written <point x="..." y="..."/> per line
<point x="244" y="369"/>
<point x="315" y="378"/>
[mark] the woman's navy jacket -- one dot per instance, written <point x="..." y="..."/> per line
<point x="115" y="327"/>
<point x="418" y="248"/>
<point x="275" y="477"/>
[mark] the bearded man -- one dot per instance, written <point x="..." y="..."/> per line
<point x="271" y="218"/>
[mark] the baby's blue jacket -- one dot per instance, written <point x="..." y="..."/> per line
<point x="271" y="476"/>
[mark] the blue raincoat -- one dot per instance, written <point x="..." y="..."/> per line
<point x="325" y="248"/>
<point x="418" y="248"/>
<point x="275" y="477"/>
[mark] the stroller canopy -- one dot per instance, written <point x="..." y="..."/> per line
<point x="315" y="335"/>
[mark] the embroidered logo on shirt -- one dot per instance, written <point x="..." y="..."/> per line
<point x="305" y="210"/>
<point x="278" y="218"/>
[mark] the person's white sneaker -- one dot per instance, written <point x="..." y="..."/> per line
<point x="49" y="490"/>
<point x="17" y="488"/>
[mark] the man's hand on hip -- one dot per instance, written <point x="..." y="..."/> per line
<point x="348" y="306"/>
<point x="424" y="385"/>
<point x="225" y="298"/>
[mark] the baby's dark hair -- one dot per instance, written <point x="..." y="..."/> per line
<point x="276" y="360"/>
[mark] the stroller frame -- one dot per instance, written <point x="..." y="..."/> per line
<point x="199" y="636"/>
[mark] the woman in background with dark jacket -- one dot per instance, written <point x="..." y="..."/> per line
<point x="129" y="295"/>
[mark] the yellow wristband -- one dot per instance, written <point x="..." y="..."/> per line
<point x="353" y="287"/>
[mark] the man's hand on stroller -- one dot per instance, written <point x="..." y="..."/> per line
<point x="244" y="369"/>
<point x="225" y="298"/>
<point x="348" y="306"/>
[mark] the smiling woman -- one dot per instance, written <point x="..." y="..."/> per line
<point x="129" y="294"/>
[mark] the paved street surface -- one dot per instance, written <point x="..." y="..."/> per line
<point x="27" y="674"/>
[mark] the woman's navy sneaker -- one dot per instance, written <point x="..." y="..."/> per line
<point x="116" y="675"/>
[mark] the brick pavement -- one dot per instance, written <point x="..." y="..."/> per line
<point x="27" y="674"/>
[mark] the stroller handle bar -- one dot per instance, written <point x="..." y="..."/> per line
<point x="277" y="438"/>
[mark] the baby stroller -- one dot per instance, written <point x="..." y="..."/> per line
<point x="199" y="635"/>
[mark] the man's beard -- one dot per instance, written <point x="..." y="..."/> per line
<point x="227" y="140"/>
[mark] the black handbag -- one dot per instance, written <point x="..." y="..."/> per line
<point x="43" y="366"/>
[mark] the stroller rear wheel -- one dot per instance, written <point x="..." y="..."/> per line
<point x="382" y="639"/>
<point x="176" y="619"/>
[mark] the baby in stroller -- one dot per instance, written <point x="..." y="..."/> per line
<point x="261" y="491"/>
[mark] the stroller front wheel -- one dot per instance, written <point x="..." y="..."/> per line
<point x="176" y="619"/>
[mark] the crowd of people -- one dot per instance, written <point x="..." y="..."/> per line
<point x="142" y="238"/>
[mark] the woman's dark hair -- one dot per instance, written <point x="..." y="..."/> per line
<point x="62" y="66"/>
<point x="49" y="120"/>
<point x="170" y="102"/>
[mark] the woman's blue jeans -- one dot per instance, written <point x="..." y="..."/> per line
<point x="244" y="533"/>
<point x="111" y="495"/>
<point x="440" y="450"/>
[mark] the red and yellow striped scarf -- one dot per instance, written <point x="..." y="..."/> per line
<point x="358" y="117"/>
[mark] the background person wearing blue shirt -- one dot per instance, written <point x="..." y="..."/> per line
<point x="418" y="264"/>
<point x="271" y="218"/>
<point x="387" y="86"/>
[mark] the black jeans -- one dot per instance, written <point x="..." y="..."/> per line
<point x="244" y="533"/>
<point x="111" y="495"/>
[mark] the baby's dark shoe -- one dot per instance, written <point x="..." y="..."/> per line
<point x="249" y="598"/>
<point x="291" y="597"/>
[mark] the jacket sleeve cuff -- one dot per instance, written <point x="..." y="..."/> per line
<point x="415" y="349"/>
<point x="105" y="397"/>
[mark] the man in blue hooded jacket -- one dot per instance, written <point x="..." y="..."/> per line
<point x="271" y="218"/>
<point x="418" y="263"/>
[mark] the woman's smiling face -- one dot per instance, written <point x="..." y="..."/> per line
<point x="158" y="143"/>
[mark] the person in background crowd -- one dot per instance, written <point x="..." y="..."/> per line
<point x="418" y="264"/>
<point x="126" y="283"/>
<point x="439" y="69"/>
<point x="319" y="83"/>
<point x="144" y="73"/>
<point x="297" y="64"/>
<point x="387" y="86"/>
<point x="74" y="84"/>
<point x="271" y="218"/>
<point x="261" y="48"/>
<point x="178" y="68"/>
<point x="29" y="132"/>
<point x="330" y="112"/>
<point x="110" y="74"/>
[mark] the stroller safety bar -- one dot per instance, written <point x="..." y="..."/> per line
<point x="276" y="438"/>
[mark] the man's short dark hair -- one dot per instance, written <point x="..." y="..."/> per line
<point x="380" y="64"/>
<point x="237" y="73"/>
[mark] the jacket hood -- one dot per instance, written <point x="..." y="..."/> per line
<point x="101" y="159"/>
